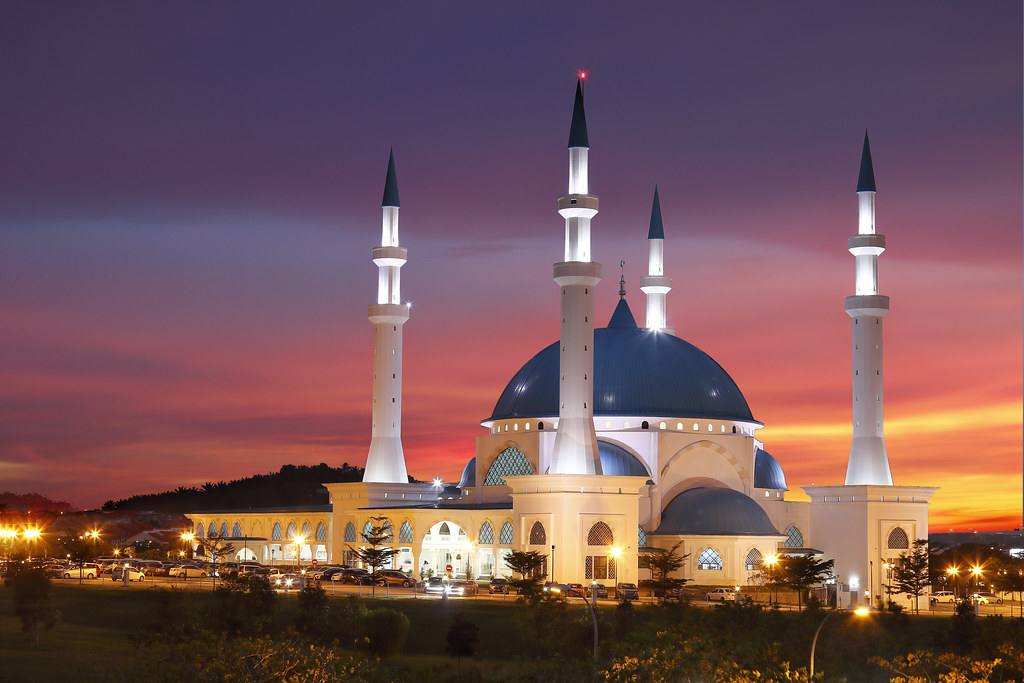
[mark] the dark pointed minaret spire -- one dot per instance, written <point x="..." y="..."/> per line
<point x="866" y="180"/>
<point x="578" y="129"/>
<point x="391" y="184"/>
<point x="622" y="279"/>
<point x="657" y="229"/>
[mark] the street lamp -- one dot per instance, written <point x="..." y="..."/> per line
<point x="860" y="611"/>
<point x="770" y="562"/>
<point x="297" y="542"/>
<point x="976" y="572"/>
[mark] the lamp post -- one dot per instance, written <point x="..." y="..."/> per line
<point x="770" y="563"/>
<point x="859" y="612"/>
<point x="297" y="542"/>
<point x="951" y="572"/>
<point x="888" y="582"/>
<point x="552" y="563"/>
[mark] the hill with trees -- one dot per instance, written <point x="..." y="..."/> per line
<point x="292" y="485"/>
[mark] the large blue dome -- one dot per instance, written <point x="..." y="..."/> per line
<point x="636" y="372"/>
<point x="715" y="512"/>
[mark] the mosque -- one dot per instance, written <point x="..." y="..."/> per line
<point x="609" y="441"/>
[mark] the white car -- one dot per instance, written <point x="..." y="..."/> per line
<point x="134" y="574"/>
<point x="187" y="571"/>
<point x="87" y="570"/>
<point x="721" y="594"/>
<point x="942" y="596"/>
<point x="287" y="582"/>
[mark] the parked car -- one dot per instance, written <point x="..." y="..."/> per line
<point x="149" y="567"/>
<point x="984" y="597"/>
<point x="134" y="573"/>
<point x="575" y="590"/>
<point x="626" y="591"/>
<point x="555" y="587"/>
<point x="86" y="570"/>
<point x="393" y="577"/>
<point x="287" y="582"/>
<point x="942" y="596"/>
<point x="435" y="585"/>
<point x="721" y="594"/>
<point x="498" y="585"/>
<point x="463" y="588"/>
<point x="599" y="591"/>
<point x="353" y="575"/>
<point x="684" y="593"/>
<point x="187" y="571"/>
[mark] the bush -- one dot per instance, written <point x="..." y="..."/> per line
<point x="384" y="631"/>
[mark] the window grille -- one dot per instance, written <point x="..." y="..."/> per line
<point x="510" y="463"/>
<point x="505" y="538"/>
<point x="275" y="535"/>
<point x="199" y="530"/>
<point x="290" y="534"/>
<point x="600" y="534"/>
<point x="306" y="531"/>
<point x="537" y="535"/>
<point x="389" y="533"/>
<point x="367" y="529"/>
<point x="641" y="537"/>
<point x="405" y="533"/>
<point x="898" y="539"/>
<point x="223" y="529"/>
<point x="350" y="533"/>
<point x="486" y="534"/>
<point x="754" y="560"/>
<point x="236" y="532"/>
<point x="321" y="532"/>
<point x="709" y="559"/>
<point x="794" y="539"/>
<point x="444" y="529"/>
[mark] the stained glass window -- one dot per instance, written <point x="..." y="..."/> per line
<point x="510" y="463"/>
<point x="898" y="539"/>
<point x="600" y="534"/>
<point x="537" y="535"/>
<point x="275" y="535"/>
<point x="709" y="559"/>
<point x="794" y="539"/>
<point x="505" y="537"/>
<point x="486" y="534"/>
<point x="321" y="532"/>
<point x="350" y="533"/>
<point x="754" y="560"/>
<point x="405" y="533"/>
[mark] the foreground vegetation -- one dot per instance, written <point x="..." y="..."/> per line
<point x="244" y="631"/>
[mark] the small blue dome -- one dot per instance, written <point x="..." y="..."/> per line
<point x="617" y="461"/>
<point x="636" y="372"/>
<point x="468" y="474"/>
<point x="768" y="472"/>
<point x="715" y="512"/>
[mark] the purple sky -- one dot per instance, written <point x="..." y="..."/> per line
<point x="189" y="195"/>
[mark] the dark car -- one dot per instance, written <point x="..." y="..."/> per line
<point x="393" y="577"/>
<point x="498" y="586"/>
<point x="599" y="591"/>
<point x="626" y="591"/>
<point x="353" y="575"/>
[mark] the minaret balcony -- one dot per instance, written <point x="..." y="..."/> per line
<point x="864" y="305"/>
<point x="390" y="256"/>
<point x="870" y="245"/>
<point x="655" y="284"/>
<point x="577" y="205"/>
<point x="394" y="314"/>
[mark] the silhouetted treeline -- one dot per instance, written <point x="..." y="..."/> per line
<point x="293" y="485"/>
<point x="34" y="502"/>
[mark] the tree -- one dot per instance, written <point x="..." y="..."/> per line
<point x="800" y="572"/>
<point x="663" y="562"/>
<point x="912" y="574"/>
<point x="375" y="557"/>
<point x="384" y="631"/>
<point x="528" y="564"/>
<point x="1010" y="579"/>
<point x="462" y="637"/>
<point x="32" y="600"/>
<point x="215" y="548"/>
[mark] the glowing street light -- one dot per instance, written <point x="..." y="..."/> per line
<point x="297" y="542"/>
<point x="860" y="611"/>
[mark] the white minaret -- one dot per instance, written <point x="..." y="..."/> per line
<point x="575" y="449"/>
<point x="386" y="460"/>
<point x="656" y="285"/>
<point x="869" y="463"/>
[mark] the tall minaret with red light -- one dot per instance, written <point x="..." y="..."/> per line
<point x="385" y="461"/>
<point x="656" y="284"/>
<point x="575" y="449"/>
<point x="869" y="463"/>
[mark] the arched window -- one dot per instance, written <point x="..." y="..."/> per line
<point x="275" y="534"/>
<point x="505" y="537"/>
<point x="444" y="529"/>
<point x="389" y="533"/>
<point x="537" y="535"/>
<point x="600" y="534"/>
<point x="754" y="560"/>
<point x="290" y="533"/>
<point x="405" y="533"/>
<point x="223" y="529"/>
<point x="510" y="463"/>
<point x="462" y="535"/>
<point x="709" y="559"/>
<point x="306" y="531"/>
<point x="898" y="539"/>
<point x="486" y="534"/>
<point x="236" y="532"/>
<point x="368" y="529"/>
<point x="350" y="533"/>
<point x="199" y="530"/>
<point x="794" y="539"/>
<point x="641" y="537"/>
<point x="645" y="425"/>
<point x="321" y="532"/>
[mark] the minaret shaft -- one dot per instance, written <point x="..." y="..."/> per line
<point x="656" y="285"/>
<point x="575" y="448"/>
<point x="385" y="461"/>
<point x="869" y="462"/>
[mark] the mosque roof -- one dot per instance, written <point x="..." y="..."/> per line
<point x="617" y="461"/>
<point x="468" y="477"/>
<point x="715" y="512"/>
<point x="636" y="372"/>
<point x="768" y="472"/>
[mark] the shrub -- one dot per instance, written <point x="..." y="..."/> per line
<point x="384" y="631"/>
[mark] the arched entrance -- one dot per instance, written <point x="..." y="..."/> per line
<point x="446" y="544"/>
